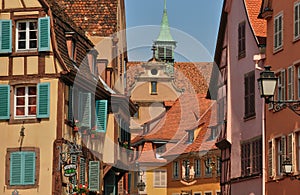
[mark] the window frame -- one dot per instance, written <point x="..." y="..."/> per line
<point x="176" y="170"/>
<point x="298" y="78"/>
<point x="160" y="172"/>
<point x="26" y="106"/>
<point x="290" y="83"/>
<point x="27" y="39"/>
<point x="296" y="20"/>
<point x="281" y="89"/>
<point x="251" y="163"/>
<point x="153" y="87"/>
<point x="37" y="167"/>
<point x="197" y="168"/>
<point x="278" y="33"/>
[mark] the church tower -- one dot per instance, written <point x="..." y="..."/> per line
<point x="165" y="44"/>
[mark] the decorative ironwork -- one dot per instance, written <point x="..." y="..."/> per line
<point x="293" y="105"/>
<point x="73" y="149"/>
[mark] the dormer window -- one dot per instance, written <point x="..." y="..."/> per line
<point x="71" y="45"/>
<point x="92" y="59"/>
<point x="26" y="35"/>
<point x="190" y="136"/>
<point x="160" y="148"/>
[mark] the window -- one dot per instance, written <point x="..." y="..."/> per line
<point x="30" y="101"/>
<point x="153" y="87"/>
<point x="82" y="166"/>
<point x="197" y="165"/>
<point x="280" y="153"/>
<point x="214" y="132"/>
<point x="26" y="35"/>
<point x="218" y="193"/>
<point x="23" y="167"/>
<point x="278" y="28"/>
<point x="251" y="157"/>
<point x="249" y="103"/>
<point x="161" y="52"/>
<point x="241" y="40"/>
<point x="298" y="68"/>
<point x="25" y="101"/>
<point x="298" y="150"/>
<point x="160" y="148"/>
<point x="169" y="52"/>
<point x="208" y="168"/>
<point x="218" y="166"/>
<point x="296" y="20"/>
<point x="207" y="193"/>
<point x="290" y="83"/>
<point x="186" y="171"/>
<point x="175" y="169"/>
<point x="190" y="136"/>
<point x="281" y="85"/>
<point x="160" y="179"/>
<point x="197" y="193"/>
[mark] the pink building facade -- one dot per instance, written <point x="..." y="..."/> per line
<point x="239" y="54"/>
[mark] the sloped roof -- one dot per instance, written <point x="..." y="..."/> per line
<point x="192" y="76"/>
<point x="98" y="17"/>
<point x="184" y="115"/>
<point x="259" y="25"/>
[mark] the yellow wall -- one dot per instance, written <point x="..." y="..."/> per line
<point x="40" y="135"/>
<point x="150" y="189"/>
<point x="212" y="187"/>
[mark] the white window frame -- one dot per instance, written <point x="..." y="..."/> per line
<point x="160" y="172"/>
<point x="298" y="151"/>
<point x="296" y="20"/>
<point x="278" y="32"/>
<point x="27" y="35"/>
<point x="208" y="192"/>
<point x="197" y="193"/>
<point x="281" y="85"/>
<point x="26" y="115"/>
<point x="218" y="191"/>
<point x="290" y="83"/>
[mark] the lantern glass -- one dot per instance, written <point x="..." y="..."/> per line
<point x="287" y="167"/>
<point x="268" y="87"/>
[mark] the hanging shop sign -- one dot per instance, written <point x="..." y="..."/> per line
<point x="70" y="170"/>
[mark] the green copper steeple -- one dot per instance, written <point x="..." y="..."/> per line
<point x="165" y="44"/>
<point x="165" y="34"/>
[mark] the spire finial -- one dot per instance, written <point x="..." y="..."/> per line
<point x="165" y="7"/>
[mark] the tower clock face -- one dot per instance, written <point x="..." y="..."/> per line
<point x="154" y="72"/>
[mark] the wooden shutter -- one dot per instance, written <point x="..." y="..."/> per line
<point x="29" y="168"/>
<point x="43" y="100"/>
<point x="44" y="34"/>
<point x="15" y="168"/>
<point x="85" y="100"/>
<point x="101" y="115"/>
<point x="4" y="101"/>
<point x="5" y="36"/>
<point x="157" y="178"/>
<point x="94" y="180"/>
<point x="70" y="104"/>
<point x="163" y="178"/>
<point x="290" y="147"/>
<point x="290" y="89"/>
<point x="22" y="168"/>
<point x="82" y="171"/>
<point x="270" y="159"/>
<point x="73" y="161"/>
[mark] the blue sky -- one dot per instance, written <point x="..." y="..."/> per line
<point x="194" y="25"/>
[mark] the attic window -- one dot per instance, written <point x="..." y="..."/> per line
<point x="92" y="58"/>
<point x="160" y="148"/>
<point x="190" y="136"/>
<point x="71" y="45"/>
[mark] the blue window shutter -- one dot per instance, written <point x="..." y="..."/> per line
<point x="15" y="168"/>
<point x="4" y="101"/>
<point x="29" y="168"/>
<point x="101" y="115"/>
<point x="5" y="36"/>
<point x="85" y="100"/>
<point x="94" y="180"/>
<point x="82" y="171"/>
<point x="44" y="34"/>
<point x="43" y="100"/>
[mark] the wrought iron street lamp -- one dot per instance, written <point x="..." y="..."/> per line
<point x="267" y="84"/>
<point x="140" y="185"/>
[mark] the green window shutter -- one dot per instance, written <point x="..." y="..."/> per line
<point x="44" y="34"/>
<point x="29" y="168"/>
<point x="73" y="161"/>
<point x="85" y="100"/>
<point x="43" y="100"/>
<point x="82" y="171"/>
<point x="70" y="106"/>
<point x="5" y="36"/>
<point x="4" y="101"/>
<point x="16" y="168"/>
<point x="94" y="180"/>
<point x="101" y="115"/>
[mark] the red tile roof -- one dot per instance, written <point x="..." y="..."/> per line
<point x="98" y="17"/>
<point x="259" y="25"/>
<point x="192" y="76"/>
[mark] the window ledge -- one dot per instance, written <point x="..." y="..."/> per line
<point x="296" y="39"/>
<point x="153" y="93"/>
<point x="277" y="50"/>
<point x="24" y="120"/>
<point x="250" y="117"/>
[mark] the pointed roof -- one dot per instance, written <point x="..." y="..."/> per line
<point x="165" y="34"/>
